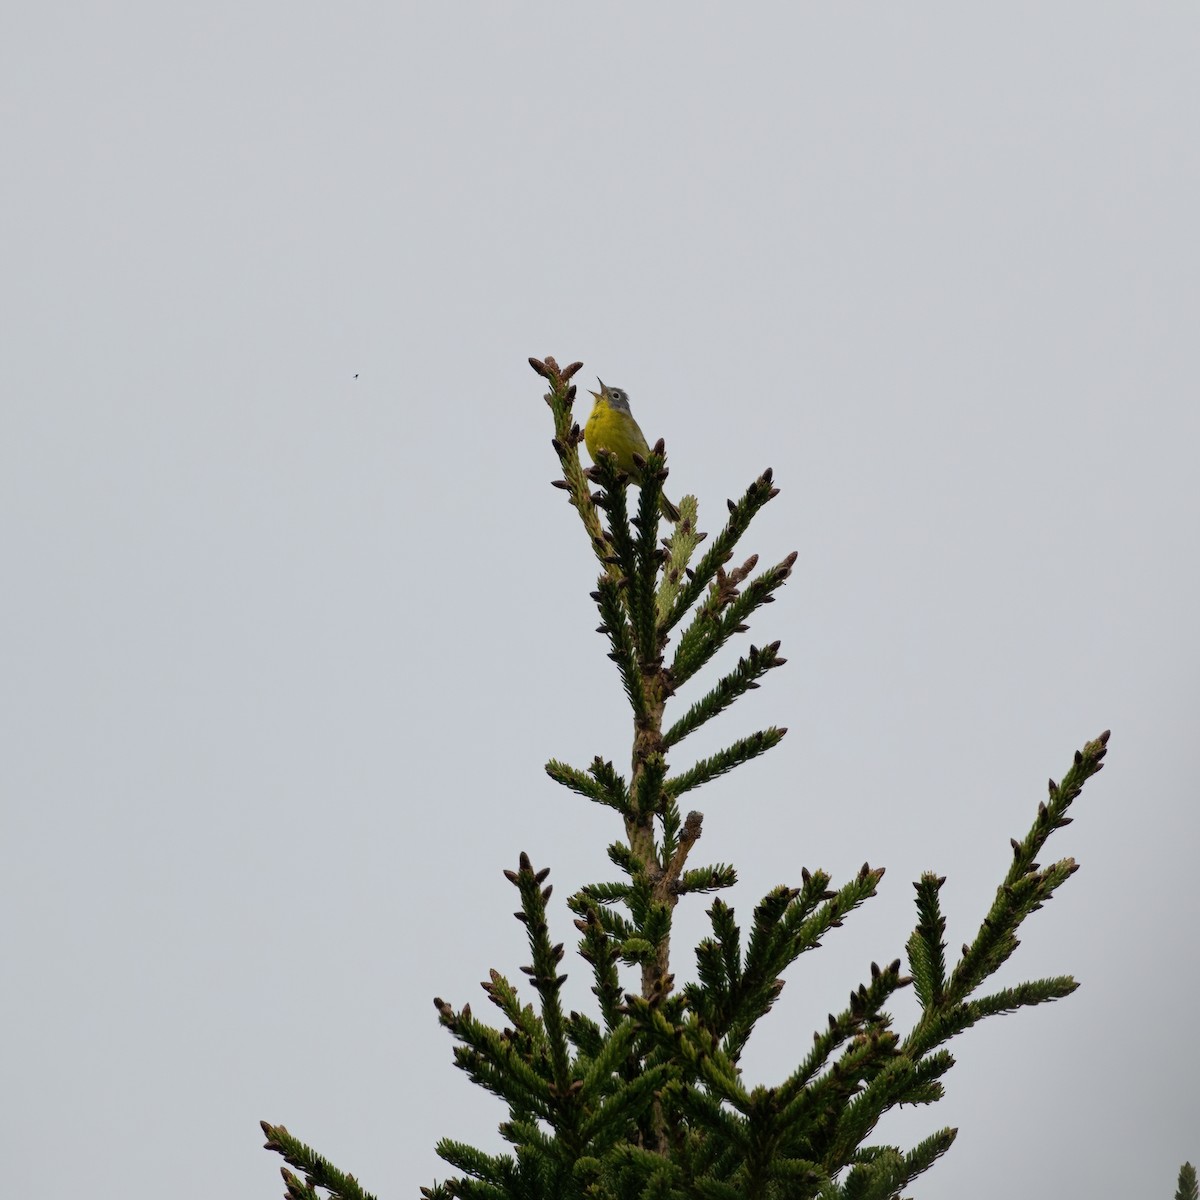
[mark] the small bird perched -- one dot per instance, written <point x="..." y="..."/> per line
<point x="611" y="427"/>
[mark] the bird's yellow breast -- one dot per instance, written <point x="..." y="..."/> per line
<point x="610" y="429"/>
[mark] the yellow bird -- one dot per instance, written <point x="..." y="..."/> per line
<point x="611" y="427"/>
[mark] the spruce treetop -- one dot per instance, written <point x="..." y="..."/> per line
<point x="645" y="1096"/>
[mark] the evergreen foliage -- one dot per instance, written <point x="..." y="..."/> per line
<point x="646" y="1098"/>
<point x="1187" y="1189"/>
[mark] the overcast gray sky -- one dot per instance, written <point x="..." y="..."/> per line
<point x="285" y="649"/>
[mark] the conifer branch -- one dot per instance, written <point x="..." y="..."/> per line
<point x="997" y="939"/>
<point x="864" y="1011"/>
<point x="599" y="948"/>
<point x="614" y="622"/>
<point x="721" y="1076"/>
<point x="496" y="1176"/>
<point x="612" y="1054"/>
<point x="504" y="996"/>
<point x="639" y="952"/>
<point x="676" y="849"/>
<point x="743" y="678"/>
<point x="586" y="1036"/>
<point x="611" y="1117"/>
<point x="894" y="1081"/>
<point x="600" y="783"/>
<point x="878" y="1173"/>
<point x="874" y="1175"/>
<point x="625" y="934"/>
<point x="510" y="1070"/>
<point x="732" y="996"/>
<point x="672" y="828"/>
<point x="1187" y="1188"/>
<point x="942" y="1023"/>
<point x="643" y="601"/>
<point x="1026" y="887"/>
<point x="543" y="972"/>
<point x="890" y="1081"/>
<point x="680" y="547"/>
<point x="812" y="1113"/>
<point x="724" y="613"/>
<point x="925" y="1153"/>
<point x="648" y="797"/>
<point x="741" y="751"/>
<point x="706" y="879"/>
<point x="740" y="515"/>
<point x="860" y="1114"/>
<point x="622" y="856"/>
<point x="1023" y="995"/>
<point x="783" y="930"/>
<point x="318" y="1172"/>
<point x="295" y="1188"/>
<point x="652" y="914"/>
<point x="606" y="893"/>
<point x="713" y="982"/>
<point x="926" y="950"/>
<point x="613" y="499"/>
<point x="1088" y="762"/>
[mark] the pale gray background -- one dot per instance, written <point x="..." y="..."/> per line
<point x="284" y="651"/>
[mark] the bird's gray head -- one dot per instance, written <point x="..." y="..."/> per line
<point x="615" y="396"/>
